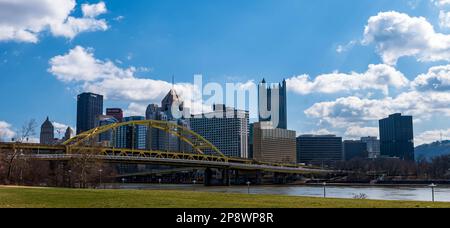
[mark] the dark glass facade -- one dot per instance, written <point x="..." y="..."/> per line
<point x="397" y="137"/>
<point x="282" y="112"/>
<point x="89" y="107"/>
<point x="355" y="149"/>
<point x="319" y="149"/>
<point x="250" y="141"/>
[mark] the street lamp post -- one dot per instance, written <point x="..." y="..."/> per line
<point x="324" y="189"/>
<point x="248" y="186"/>
<point x="22" y="160"/>
<point x="433" y="186"/>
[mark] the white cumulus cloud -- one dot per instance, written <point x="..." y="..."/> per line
<point x="6" y="132"/>
<point x="60" y="129"/>
<point x="399" y="35"/>
<point x="94" y="10"/>
<point x="432" y="136"/>
<point x="356" y="111"/>
<point x="79" y="66"/>
<point x="25" y="20"/>
<point x="437" y="79"/>
<point x="444" y="19"/>
<point x="441" y="3"/>
<point x="356" y="132"/>
<point x="378" y="77"/>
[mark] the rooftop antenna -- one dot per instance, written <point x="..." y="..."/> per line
<point x="173" y="82"/>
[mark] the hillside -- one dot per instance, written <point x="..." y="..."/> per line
<point x="432" y="150"/>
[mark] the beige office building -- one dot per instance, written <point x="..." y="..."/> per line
<point x="273" y="144"/>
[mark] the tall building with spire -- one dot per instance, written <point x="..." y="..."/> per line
<point x="170" y="101"/>
<point x="47" y="136"/>
<point x="68" y="134"/>
<point x="270" y="91"/>
<point x="160" y="140"/>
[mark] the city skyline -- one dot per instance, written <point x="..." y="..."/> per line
<point x="49" y="68"/>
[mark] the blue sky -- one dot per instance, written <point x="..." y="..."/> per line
<point x="232" y="41"/>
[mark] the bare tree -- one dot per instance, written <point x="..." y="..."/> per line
<point x="3" y="166"/>
<point x="85" y="166"/>
<point x="28" y="130"/>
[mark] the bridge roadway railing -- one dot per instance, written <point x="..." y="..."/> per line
<point x="179" y="162"/>
<point x="59" y="152"/>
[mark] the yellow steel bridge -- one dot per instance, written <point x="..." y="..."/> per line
<point x="203" y="154"/>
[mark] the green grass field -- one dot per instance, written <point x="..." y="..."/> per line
<point x="16" y="197"/>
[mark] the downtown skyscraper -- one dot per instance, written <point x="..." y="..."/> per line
<point x="159" y="140"/>
<point x="47" y="136"/>
<point x="226" y="128"/>
<point x="89" y="107"/>
<point x="117" y="113"/>
<point x="270" y="92"/>
<point x="397" y="137"/>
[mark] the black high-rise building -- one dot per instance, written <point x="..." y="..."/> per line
<point x="319" y="149"/>
<point x="397" y="137"/>
<point x="282" y="110"/>
<point x="89" y="107"/>
<point x="355" y="149"/>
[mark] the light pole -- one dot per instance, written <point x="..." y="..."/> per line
<point x="324" y="189"/>
<point x="22" y="164"/>
<point x="432" y="186"/>
<point x="248" y="186"/>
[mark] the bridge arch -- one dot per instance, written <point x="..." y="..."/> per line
<point x="198" y="143"/>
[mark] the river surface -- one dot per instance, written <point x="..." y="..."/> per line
<point x="442" y="194"/>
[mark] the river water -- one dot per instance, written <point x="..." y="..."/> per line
<point x="442" y="194"/>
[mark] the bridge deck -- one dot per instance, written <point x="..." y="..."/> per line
<point x="60" y="153"/>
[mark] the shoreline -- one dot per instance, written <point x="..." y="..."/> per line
<point x="372" y="185"/>
<point x="356" y="185"/>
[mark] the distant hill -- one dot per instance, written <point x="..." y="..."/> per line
<point x="432" y="150"/>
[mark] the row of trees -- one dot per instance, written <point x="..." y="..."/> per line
<point x="82" y="171"/>
<point x="437" y="168"/>
<point x="18" y="167"/>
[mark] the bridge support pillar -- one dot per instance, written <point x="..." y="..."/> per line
<point x="226" y="179"/>
<point x="259" y="177"/>
<point x="208" y="177"/>
<point x="236" y="177"/>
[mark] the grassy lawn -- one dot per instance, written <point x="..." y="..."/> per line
<point x="16" y="197"/>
